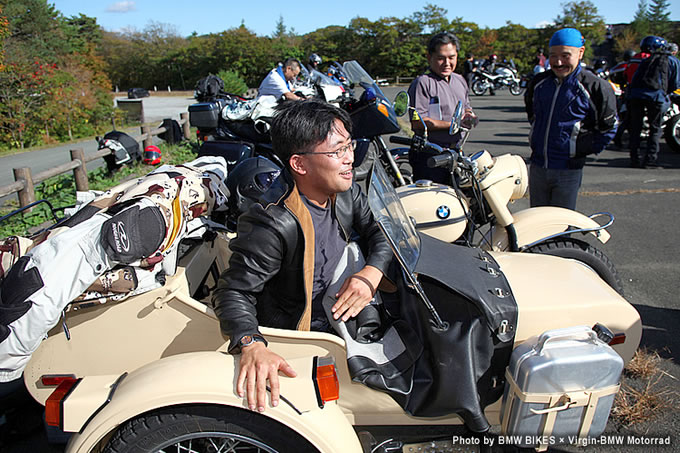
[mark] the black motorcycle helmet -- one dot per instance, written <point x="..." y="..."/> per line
<point x="628" y="54"/>
<point x="248" y="181"/>
<point x="652" y="43"/>
<point x="493" y="57"/>
<point x="599" y="63"/>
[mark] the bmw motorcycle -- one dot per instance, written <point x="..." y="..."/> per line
<point x="371" y="113"/>
<point x="473" y="210"/>
<point x="504" y="76"/>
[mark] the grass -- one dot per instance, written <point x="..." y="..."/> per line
<point x="643" y="397"/>
<point x="60" y="190"/>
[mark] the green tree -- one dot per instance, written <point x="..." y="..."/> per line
<point x="659" y="17"/>
<point x="640" y="24"/>
<point x="431" y="19"/>
<point x="583" y="16"/>
<point x="518" y="43"/>
<point x="233" y="83"/>
<point x="280" y="30"/>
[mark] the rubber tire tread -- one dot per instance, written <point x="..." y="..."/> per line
<point x="476" y="83"/>
<point x="671" y="140"/>
<point x="584" y="252"/>
<point x="517" y="89"/>
<point x="147" y="432"/>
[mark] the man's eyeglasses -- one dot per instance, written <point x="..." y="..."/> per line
<point x="337" y="154"/>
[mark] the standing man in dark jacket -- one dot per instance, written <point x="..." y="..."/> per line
<point x="654" y="78"/>
<point x="572" y="114"/>
<point x="289" y="243"/>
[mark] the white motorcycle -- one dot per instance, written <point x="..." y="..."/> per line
<point x="503" y="76"/>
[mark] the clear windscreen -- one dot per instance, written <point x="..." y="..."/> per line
<point x="396" y="224"/>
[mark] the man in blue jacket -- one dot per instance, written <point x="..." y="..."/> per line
<point x="656" y="77"/>
<point x="572" y="114"/>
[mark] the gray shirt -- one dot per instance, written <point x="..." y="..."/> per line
<point x="434" y="97"/>
<point x="328" y="248"/>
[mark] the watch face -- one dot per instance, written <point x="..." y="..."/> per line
<point x="246" y="340"/>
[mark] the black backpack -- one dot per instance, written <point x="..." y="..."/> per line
<point x="208" y="88"/>
<point x="652" y="73"/>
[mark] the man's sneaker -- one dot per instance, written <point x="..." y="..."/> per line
<point x="636" y="164"/>
<point x="652" y="165"/>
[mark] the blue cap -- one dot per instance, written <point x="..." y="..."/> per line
<point x="567" y="37"/>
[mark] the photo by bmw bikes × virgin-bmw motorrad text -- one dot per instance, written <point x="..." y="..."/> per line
<point x="474" y="209"/>
<point x="371" y="113"/>
<point x="532" y="344"/>
<point x="504" y="75"/>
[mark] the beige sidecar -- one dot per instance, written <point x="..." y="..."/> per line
<point x="161" y="354"/>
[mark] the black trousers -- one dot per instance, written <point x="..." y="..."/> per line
<point x="638" y="109"/>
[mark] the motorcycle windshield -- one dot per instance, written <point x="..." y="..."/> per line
<point x="357" y="75"/>
<point x="391" y="215"/>
<point x="320" y="77"/>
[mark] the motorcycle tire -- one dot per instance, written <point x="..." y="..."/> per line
<point x="205" y="428"/>
<point x="515" y="89"/>
<point x="592" y="257"/>
<point x="479" y="87"/>
<point x="672" y="133"/>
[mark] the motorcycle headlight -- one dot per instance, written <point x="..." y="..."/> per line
<point x="521" y="179"/>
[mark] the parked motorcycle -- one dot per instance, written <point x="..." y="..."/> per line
<point x="474" y="209"/>
<point x="150" y="373"/>
<point x="371" y="113"/>
<point x="504" y="76"/>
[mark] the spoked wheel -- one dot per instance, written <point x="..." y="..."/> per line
<point x="672" y="133"/>
<point x="515" y="89"/>
<point x="205" y="429"/>
<point x="479" y="87"/>
<point x="594" y="258"/>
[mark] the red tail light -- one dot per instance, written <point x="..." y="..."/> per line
<point x="53" y="404"/>
<point x="326" y="380"/>
<point x="619" y="338"/>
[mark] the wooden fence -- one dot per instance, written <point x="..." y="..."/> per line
<point x="25" y="180"/>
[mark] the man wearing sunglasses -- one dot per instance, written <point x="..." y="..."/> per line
<point x="290" y="242"/>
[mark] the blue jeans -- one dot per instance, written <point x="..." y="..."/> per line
<point x="551" y="187"/>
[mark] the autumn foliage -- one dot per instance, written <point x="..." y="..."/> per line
<point x="52" y="83"/>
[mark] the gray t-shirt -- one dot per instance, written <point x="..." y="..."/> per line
<point x="328" y="248"/>
<point x="436" y="98"/>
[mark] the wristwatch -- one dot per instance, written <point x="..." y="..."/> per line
<point x="247" y="340"/>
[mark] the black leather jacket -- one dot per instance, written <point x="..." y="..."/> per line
<point x="269" y="278"/>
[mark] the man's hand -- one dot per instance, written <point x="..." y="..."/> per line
<point x="469" y="120"/>
<point x="356" y="293"/>
<point x="259" y="364"/>
<point x="292" y="96"/>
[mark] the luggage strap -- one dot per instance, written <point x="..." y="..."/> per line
<point x="556" y="402"/>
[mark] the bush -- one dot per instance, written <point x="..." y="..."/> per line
<point x="233" y="83"/>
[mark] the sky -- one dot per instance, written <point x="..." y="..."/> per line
<point x="261" y="16"/>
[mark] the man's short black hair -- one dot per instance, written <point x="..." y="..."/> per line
<point x="299" y="126"/>
<point x="445" y="37"/>
<point x="291" y="62"/>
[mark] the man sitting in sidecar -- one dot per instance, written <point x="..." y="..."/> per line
<point x="292" y="267"/>
<point x="289" y="244"/>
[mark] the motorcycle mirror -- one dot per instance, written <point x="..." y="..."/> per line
<point x="456" y="119"/>
<point x="400" y="103"/>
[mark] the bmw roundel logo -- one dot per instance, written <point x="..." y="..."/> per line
<point x="443" y="212"/>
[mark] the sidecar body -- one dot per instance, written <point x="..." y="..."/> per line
<point x="161" y="354"/>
